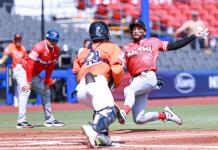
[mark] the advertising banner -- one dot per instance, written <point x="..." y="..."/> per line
<point x="179" y="84"/>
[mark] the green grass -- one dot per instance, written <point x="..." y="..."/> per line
<point x="198" y="117"/>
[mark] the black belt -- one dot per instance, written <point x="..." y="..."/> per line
<point x="134" y="76"/>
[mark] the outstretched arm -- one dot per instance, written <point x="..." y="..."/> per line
<point x="200" y="33"/>
<point x="3" y="59"/>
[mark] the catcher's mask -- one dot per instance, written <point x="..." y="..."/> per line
<point x="53" y="36"/>
<point x="99" y="31"/>
<point x="137" y="22"/>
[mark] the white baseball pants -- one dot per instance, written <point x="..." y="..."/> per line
<point x="95" y="95"/>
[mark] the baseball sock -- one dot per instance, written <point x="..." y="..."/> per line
<point x="126" y="108"/>
<point x="162" y="116"/>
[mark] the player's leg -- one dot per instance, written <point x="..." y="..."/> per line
<point x="84" y="98"/>
<point x="16" y="93"/>
<point x="39" y="87"/>
<point x="142" y="84"/>
<point x="82" y="95"/>
<point x="19" y="74"/>
<point x="105" y="131"/>
<point x="103" y="104"/>
<point x="140" y="116"/>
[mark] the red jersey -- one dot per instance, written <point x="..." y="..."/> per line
<point x="143" y="55"/>
<point x="16" y="53"/>
<point x="40" y="58"/>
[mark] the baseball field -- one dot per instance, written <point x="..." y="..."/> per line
<point x="199" y="129"/>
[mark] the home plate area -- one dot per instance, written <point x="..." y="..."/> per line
<point x="122" y="139"/>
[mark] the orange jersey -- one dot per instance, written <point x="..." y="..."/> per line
<point x="16" y="53"/>
<point x="100" y="61"/>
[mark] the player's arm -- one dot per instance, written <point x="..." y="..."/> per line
<point x="200" y="33"/>
<point x="29" y="72"/>
<point x="6" y="54"/>
<point x="48" y="73"/>
<point x="116" y="66"/>
<point x="3" y="59"/>
<point x="32" y="58"/>
<point x="76" y="66"/>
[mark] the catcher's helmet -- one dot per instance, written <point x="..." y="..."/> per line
<point x="137" y="22"/>
<point x="99" y="31"/>
<point x="52" y="35"/>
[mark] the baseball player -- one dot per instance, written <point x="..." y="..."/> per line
<point x="140" y="57"/>
<point x="16" y="51"/>
<point x="26" y="73"/>
<point x="94" y="67"/>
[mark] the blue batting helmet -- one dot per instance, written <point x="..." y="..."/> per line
<point x="52" y="35"/>
<point x="137" y="22"/>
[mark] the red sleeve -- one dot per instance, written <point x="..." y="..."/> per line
<point x="32" y="57"/>
<point x="24" y="52"/>
<point x="50" y="68"/>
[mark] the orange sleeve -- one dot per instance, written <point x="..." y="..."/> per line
<point x="116" y="65"/>
<point x="76" y="65"/>
<point x="7" y="50"/>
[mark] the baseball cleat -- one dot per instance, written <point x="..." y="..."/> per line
<point x="171" y="116"/>
<point x="23" y="125"/>
<point x="103" y="140"/>
<point x="54" y="123"/>
<point x="121" y="115"/>
<point x="91" y="135"/>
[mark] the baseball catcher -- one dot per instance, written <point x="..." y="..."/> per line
<point x="94" y="67"/>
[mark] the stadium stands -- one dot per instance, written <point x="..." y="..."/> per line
<point x="185" y="59"/>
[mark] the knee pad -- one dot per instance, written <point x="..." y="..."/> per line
<point x="138" y="120"/>
<point x="89" y="78"/>
<point x="103" y="119"/>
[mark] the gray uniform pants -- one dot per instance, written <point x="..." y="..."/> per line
<point x="136" y="96"/>
<point x="19" y="74"/>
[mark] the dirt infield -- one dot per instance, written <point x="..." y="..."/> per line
<point x="123" y="139"/>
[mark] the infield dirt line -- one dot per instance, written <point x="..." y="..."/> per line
<point x="46" y="147"/>
<point x="32" y="143"/>
<point x="170" y="146"/>
<point x="167" y="135"/>
<point x="41" y="138"/>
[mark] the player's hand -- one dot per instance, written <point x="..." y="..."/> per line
<point x="202" y="32"/>
<point x="26" y="88"/>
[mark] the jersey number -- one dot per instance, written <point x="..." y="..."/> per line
<point x="93" y="58"/>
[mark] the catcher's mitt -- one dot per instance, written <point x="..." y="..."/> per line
<point x="121" y="115"/>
